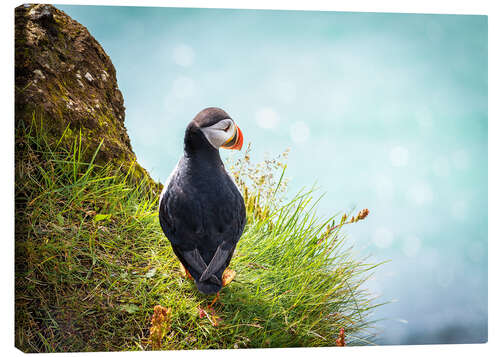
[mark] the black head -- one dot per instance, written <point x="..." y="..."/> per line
<point x="209" y="116"/>
<point x="211" y="129"/>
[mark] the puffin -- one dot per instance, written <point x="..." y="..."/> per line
<point x="201" y="210"/>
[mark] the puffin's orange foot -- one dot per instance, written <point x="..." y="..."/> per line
<point x="228" y="276"/>
<point x="213" y="301"/>
<point x="185" y="272"/>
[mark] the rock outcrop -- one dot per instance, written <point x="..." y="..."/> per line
<point x="64" y="78"/>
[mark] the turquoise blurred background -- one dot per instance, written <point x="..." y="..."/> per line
<point x="383" y="111"/>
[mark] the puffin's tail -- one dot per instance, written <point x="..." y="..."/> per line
<point x="209" y="286"/>
<point x="208" y="279"/>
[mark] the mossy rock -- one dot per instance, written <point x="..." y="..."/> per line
<point x="66" y="82"/>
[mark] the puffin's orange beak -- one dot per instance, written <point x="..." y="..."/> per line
<point x="236" y="142"/>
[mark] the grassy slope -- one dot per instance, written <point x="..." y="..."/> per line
<point x="92" y="262"/>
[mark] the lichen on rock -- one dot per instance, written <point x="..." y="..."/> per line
<point x="64" y="78"/>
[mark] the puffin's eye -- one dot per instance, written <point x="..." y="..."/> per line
<point x="227" y="128"/>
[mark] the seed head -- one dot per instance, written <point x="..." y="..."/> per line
<point x="362" y="214"/>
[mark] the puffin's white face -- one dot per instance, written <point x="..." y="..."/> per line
<point x="223" y="132"/>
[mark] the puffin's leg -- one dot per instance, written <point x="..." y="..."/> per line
<point x="228" y="276"/>
<point x="214" y="300"/>
<point x="185" y="272"/>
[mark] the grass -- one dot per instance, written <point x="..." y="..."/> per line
<point x="92" y="263"/>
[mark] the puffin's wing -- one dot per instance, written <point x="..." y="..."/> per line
<point x="233" y="218"/>
<point x="192" y="260"/>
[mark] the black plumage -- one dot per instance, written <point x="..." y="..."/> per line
<point x="202" y="212"/>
